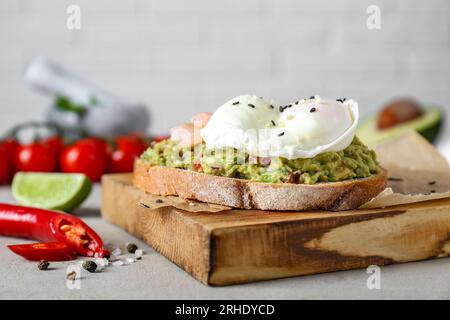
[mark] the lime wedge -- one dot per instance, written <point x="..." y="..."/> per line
<point x="58" y="191"/>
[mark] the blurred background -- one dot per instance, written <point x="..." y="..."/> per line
<point x="179" y="57"/>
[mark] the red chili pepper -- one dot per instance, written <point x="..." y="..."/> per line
<point x="50" y="251"/>
<point x="50" y="226"/>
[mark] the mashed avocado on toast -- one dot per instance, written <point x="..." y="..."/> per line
<point x="355" y="161"/>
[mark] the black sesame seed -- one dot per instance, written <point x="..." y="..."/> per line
<point x="313" y="110"/>
<point x="235" y="103"/>
<point x="395" y="179"/>
<point x="296" y="102"/>
<point x="340" y="100"/>
<point x="251" y="105"/>
<point x="432" y="183"/>
<point x="281" y="134"/>
<point x="159" y="201"/>
<point x="281" y="108"/>
<point x="271" y="107"/>
<point x="312" y="97"/>
<point x="433" y="191"/>
<point x="144" y="205"/>
<point x="273" y="122"/>
<point x="289" y="106"/>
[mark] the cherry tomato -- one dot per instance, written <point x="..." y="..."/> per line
<point x="11" y="146"/>
<point x="84" y="158"/>
<point x="98" y="143"/>
<point x="128" y="149"/>
<point x="55" y="143"/>
<point x="5" y="165"/>
<point x="35" y="157"/>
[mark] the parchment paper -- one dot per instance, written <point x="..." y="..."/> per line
<point x="157" y="202"/>
<point x="417" y="172"/>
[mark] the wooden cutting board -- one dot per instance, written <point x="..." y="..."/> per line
<point x="237" y="246"/>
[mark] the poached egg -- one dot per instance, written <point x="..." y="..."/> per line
<point x="263" y="128"/>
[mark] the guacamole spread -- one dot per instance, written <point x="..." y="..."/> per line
<point x="356" y="161"/>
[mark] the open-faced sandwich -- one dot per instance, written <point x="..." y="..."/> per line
<point x="255" y="154"/>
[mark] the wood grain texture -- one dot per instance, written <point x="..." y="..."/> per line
<point x="240" y="246"/>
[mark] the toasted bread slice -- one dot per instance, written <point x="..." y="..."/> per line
<point x="245" y="194"/>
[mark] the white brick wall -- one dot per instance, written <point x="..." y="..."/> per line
<point x="184" y="56"/>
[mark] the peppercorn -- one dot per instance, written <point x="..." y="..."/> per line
<point x="131" y="248"/>
<point x="43" y="265"/>
<point x="90" y="266"/>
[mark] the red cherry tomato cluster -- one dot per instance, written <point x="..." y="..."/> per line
<point x="91" y="156"/>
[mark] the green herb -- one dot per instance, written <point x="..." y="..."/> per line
<point x="65" y="104"/>
<point x="93" y="101"/>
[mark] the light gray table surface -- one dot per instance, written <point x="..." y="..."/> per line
<point x="155" y="277"/>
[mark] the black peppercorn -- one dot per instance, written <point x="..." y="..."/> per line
<point x="90" y="266"/>
<point x="43" y="265"/>
<point x="131" y="248"/>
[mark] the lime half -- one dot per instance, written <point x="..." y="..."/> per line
<point x="58" y="191"/>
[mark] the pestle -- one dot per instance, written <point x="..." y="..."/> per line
<point x="108" y="116"/>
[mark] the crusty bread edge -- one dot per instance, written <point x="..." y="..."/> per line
<point x="245" y="194"/>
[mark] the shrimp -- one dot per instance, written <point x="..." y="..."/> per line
<point x="200" y="119"/>
<point x="188" y="134"/>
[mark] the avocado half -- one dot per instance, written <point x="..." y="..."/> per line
<point x="428" y="125"/>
